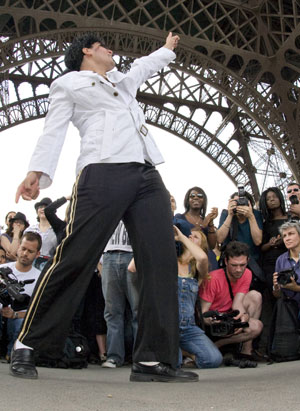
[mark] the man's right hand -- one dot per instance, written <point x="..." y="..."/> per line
<point x="29" y="188"/>
<point x="231" y="206"/>
<point x="295" y="210"/>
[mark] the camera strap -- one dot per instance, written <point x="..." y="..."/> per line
<point x="229" y="285"/>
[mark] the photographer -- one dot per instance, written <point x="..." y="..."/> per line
<point x="287" y="283"/>
<point x="22" y="270"/>
<point x="241" y="222"/>
<point x="293" y="197"/>
<point x="228" y="289"/>
<point x="248" y="223"/>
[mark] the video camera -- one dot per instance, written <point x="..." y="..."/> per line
<point x="227" y="324"/>
<point x="11" y="288"/>
<point x="284" y="276"/>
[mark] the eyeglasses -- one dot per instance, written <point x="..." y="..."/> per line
<point x="293" y="189"/>
<point x="196" y="195"/>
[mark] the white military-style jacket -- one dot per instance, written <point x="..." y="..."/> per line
<point x="110" y="122"/>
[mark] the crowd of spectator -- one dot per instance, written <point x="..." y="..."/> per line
<point x="227" y="277"/>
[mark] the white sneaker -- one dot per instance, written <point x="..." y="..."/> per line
<point x="110" y="363"/>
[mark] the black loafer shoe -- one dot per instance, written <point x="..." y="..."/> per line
<point x="160" y="373"/>
<point x="22" y="364"/>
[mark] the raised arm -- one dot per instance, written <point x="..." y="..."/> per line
<point x="144" y="67"/>
<point x="196" y="251"/>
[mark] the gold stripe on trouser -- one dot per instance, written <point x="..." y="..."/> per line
<point x="56" y="260"/>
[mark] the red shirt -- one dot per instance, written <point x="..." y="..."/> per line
<point x="216" y="290"/>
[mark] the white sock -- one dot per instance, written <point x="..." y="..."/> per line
<point x="149" y="363"/>
<point x="19" y="345"/>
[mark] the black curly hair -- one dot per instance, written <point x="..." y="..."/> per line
<point x="266" y="213"/>
<point x="74" y="54"/>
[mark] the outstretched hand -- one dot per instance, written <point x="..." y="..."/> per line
<point x="29" y="188"/>
<point x="172" y="41"/>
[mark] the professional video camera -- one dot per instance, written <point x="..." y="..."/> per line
<point x="11" y="288"/>
<point x="284" y="277"/>
<point x="226" y="325"/>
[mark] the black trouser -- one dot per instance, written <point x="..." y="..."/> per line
<point x="102" y="196"/>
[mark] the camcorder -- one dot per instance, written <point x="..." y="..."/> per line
<point x="226" y="325"/>
<point x="242" y="199"/>
<point x="11" y="289"/>
<point x="284" y="277"/>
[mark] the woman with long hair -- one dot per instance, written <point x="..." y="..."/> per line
<point x="192" y="270"/>
<point x="272" y="207"/>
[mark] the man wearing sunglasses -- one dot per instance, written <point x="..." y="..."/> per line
<point x="293" y="197"/>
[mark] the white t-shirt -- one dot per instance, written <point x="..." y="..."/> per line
<point x="32" y="274"/>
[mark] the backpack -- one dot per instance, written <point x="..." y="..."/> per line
<point x="75" y="354"/>
<point x="284" y="339"/>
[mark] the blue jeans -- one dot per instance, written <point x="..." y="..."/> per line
<point x="119" y="286"/>
<point x="193" y="340"/>
<point x="13" y="329"/>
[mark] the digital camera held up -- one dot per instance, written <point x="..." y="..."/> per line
<point x="294" y="199"/>
<point x="284" y="277"/>
<point x="11" y="288"/>
<point x="226" y="325"/>
<point x="242" y="200"/>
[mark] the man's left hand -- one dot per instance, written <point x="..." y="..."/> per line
<point x="171" y="41"/>
<point x="245" y="211"/>
<point x="292" y="286"/>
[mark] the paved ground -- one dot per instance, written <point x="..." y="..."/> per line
<point x="267" y="387"/>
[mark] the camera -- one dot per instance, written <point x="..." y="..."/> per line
<point x="11" y="288"/>
<point x="227" y="324"/>
<point x="294" y="199"/>
<point x="284" y="277"/>
<point x="242" y="198"/>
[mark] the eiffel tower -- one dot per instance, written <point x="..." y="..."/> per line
<point x="232" y="93"/>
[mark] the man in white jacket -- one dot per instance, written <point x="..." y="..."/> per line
<point x="116" y="179"/>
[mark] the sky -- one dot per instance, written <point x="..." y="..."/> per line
<point x="184" y="167"/>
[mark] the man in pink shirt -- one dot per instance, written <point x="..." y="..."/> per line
<point x="232" y="293"/>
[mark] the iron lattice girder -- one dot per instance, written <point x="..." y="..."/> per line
<point x="195" y="64"/>
<point x="196" y="135"/>
<point x="232" y="36"/>
<point x="234" y="23"/>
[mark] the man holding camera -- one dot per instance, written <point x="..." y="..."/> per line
<point x="241" y="222"/>
<point x="22" y="270"/>
<point x="288" y="282"/>
<point x="227" y="290"/>
<point x="293" y="197"/>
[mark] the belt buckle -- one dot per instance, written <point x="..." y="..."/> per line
<point x="144" y="130"/>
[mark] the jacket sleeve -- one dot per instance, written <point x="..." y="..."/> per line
<point x="50" y="212"/>
<point x="143" y="68"/>
<point x="50" y="143"/>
